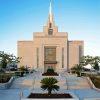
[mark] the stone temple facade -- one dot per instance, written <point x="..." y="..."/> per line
<point x="50" y="49"/>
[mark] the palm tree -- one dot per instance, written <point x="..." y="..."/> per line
<point x="77" y="69"/>
<point x="49" y="84"/>
<point x="22" y="70"/>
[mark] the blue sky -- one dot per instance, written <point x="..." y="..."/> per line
<point x="20" y="18"/>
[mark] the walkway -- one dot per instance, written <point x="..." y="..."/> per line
<point x="77" y="82"/>
<point x="77" y="85"/>
<point x="80" y="87"/>
<point x="23" y="82"/>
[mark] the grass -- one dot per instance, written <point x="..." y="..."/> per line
<point x="96" y="80"/>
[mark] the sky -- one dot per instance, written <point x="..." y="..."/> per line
<point x="20" y="18"/>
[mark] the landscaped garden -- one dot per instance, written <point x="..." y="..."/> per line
<point x="49" y="84"/>
<point x="79" y="69"/>
<point x="8" y="67"/>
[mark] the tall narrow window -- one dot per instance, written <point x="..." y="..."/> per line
<point x="80" y="53"/>
<point x="62" y="57"/>
<point x="37" y="51"/>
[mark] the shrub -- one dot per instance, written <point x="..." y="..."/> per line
<point x="50" y="71"/>
<point x="22" y="70"/>
<point x="17" y="73"/>
<point x="4" y="78"/>
<point x="83" y="74"/>
<point x="49" y="84"/>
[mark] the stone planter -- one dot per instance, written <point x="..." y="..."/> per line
<point x="73" y="98"/>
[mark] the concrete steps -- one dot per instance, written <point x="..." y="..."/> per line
<point x="75" y="82"/>
<point x="66" y="81"/>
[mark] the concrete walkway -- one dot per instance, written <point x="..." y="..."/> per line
<point x="74" y="82"/>
<point x="31" y="83"/>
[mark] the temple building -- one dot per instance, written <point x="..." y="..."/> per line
<point x="50" y="49"/>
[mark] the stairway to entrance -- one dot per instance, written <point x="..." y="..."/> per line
<point x="67" y="82"/>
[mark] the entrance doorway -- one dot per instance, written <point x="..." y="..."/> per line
<point x="49" y="66"/>
<point x="49" y="58"/>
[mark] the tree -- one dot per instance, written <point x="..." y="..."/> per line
<point x="96" y="61"/>
<point x="6" y="59"/>
<point x="93" y="61"/>
<point x="96" y="66"/>
<point x="83" y="61"/>
<point x="88" y="60"/>
<point x="77" y="69"/>
<point x="49" y="84"/>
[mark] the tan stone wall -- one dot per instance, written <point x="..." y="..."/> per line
<point x="26" y="51"/>
<point x="74" y="56"/>
<point x="59" y="42"/>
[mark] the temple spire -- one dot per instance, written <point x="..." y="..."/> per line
<point x="50" y="12"/>
<point x="50" y="18"/>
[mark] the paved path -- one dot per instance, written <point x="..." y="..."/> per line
<point x="22" y="82"/>
<point x="77" y="82"/>
<point x="68" y="83"/>
<point x="33" y="82"/>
